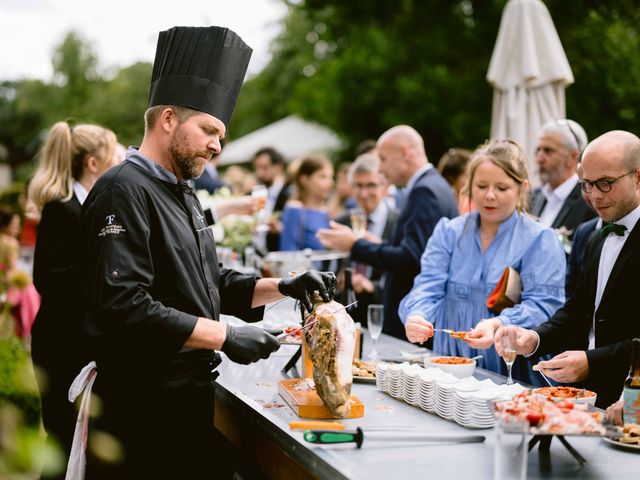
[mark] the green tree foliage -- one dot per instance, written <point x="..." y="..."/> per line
<point x="78" y="93"/>
<point x="602" y="42"/>
<point x="362" y="66"/>
<point x="122" y="102"/>
<point x="359" y="67"/>
<point x="75" y="73"/>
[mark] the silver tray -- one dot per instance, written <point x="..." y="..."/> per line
<point x="624" y="446"/>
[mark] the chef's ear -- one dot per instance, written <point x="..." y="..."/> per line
<point x="168" y="120"/>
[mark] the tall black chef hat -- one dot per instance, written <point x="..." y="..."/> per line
<point x="200" y="68"/>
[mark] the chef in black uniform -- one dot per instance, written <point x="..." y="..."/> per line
<point x="155" y="289"/>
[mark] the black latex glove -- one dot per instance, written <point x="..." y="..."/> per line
<point x="249" y="344"/>
<point x="301" y="287"/>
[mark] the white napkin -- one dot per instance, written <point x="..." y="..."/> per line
<point x="82" y="383"/>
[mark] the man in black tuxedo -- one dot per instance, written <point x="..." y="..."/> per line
<point x="429" y="197"/>
<point x="370" y="191"/>
<point x="596" y="325"/>
<point x="269" y="165"/>
<point x="576" y="260"/>
<point x="558" y="202"/>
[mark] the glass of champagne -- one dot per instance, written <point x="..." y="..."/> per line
<point x="509" y="355"/>
<point x="358" y="222"/>
<point x="375" y="320"/>
<point x="260" y="194"/>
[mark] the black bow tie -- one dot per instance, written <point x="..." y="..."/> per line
<point x="608" y="228"/>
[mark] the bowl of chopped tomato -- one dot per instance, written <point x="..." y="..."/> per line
<point x="460" y="367"/>
<point x="572" y="394"/>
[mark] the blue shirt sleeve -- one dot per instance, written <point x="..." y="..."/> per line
<point x="427" y="295"/>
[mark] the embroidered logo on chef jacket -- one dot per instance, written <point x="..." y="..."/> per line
<point x="112" y="227"/>
<point x="199" y="220"/>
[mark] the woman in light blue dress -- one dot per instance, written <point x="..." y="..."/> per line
<point x="308" y="212"/>
<point x="466" y="256"/>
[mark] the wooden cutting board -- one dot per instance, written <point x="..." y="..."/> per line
<point x="309" y="405"/>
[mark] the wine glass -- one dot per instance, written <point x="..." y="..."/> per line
<point x="375" y="320"/>
<point x="509" y="355"/>
<point x="260" y="194"/>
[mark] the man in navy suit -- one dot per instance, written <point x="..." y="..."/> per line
<point x="596" y="325"/>
<point x="428" y="198"/>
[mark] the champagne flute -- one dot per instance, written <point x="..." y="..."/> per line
<point x="375" y="320"/>
<point x="358" y="222"/>
<point x="509" y="355"/>
<point x="260" y="194"/>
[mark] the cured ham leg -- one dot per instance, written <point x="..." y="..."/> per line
<point x="332" y="342"/>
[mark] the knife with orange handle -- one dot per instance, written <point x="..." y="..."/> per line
<point x="313" y="425"/>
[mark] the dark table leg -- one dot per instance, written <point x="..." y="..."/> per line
<point x="545" y="446"/>
<point x="292" y="362"/>
<point x="581" y="460"/>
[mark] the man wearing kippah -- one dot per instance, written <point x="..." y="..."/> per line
<point x="155" y="290"/>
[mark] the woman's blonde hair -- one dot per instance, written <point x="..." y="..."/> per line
<point x="510" y="157"/>
<point x="61" y="159"/>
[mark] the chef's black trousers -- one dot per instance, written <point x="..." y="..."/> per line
<point x="164" y="432"/>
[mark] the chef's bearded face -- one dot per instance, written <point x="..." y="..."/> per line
<point x="189" y="161"/>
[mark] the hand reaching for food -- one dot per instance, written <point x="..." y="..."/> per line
<point x="482" y="335"/>
<point x="418" y="329"/>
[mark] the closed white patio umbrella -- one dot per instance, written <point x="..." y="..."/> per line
<point x="529" y="72"/>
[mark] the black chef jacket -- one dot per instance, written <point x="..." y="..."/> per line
<point x="151" y="270"/>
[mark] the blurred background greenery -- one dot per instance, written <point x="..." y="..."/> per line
<point x="358" y="67"/>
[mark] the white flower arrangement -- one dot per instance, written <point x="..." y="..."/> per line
<point x="232" y="231"/>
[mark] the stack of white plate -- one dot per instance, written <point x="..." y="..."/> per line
<point x="395" y="384"/>
<point x="426" y="388"/>
<point x="382" y="377"/>
<point x="410" y="384"/>
<point x="445" y="395"/>
<point x="466" y="401"/>
<point x="473" y="408"/>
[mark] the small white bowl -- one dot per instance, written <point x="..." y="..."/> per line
<point x="462" y="370"/>
<point x="591" y="400"/>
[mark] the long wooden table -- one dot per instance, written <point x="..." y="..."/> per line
<point x="254" y="421"/>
